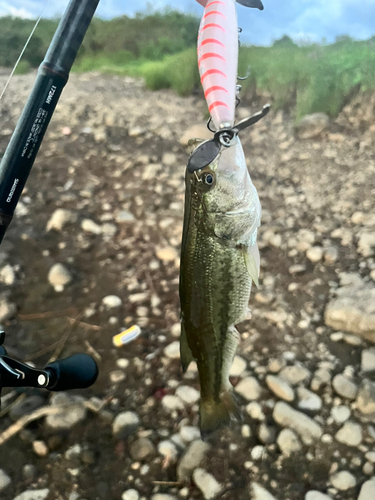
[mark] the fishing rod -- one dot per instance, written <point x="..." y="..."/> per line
<point x="80" y="370"/>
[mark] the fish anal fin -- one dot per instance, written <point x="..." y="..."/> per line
<point x="185" y="352"/>
<point x="252" y="262"/>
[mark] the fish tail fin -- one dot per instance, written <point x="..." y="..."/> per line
<point x="217" y="413"/>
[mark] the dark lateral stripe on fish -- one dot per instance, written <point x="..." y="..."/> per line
<point x="212" y="72"/>
<point x="208" y="56"/>
<point x="217" y="103"/>
<point x="211" y="40"/>
<point x="213" y="12"/>
<point x="212" y="25"/>
<point x="214" y="87"/>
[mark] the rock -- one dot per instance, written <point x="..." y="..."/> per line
<point x="111" y="301"/>
<point x="89" y="226"/>
<point x="255" y="411"/>
<point x="195" y="132"/>
<point x="191" y="459"/>
<point x="189" y="433"/>
<point x="59" y="276"/>
<point x="295" y="374"/>
<point x="5" y="480"/>
<point x="125" y="424"/>
<point x="171" y="403"/>
<point x="316" y="495"/>
<point x="168" y="449"/>
<point x="257" y="452"/>
<point x="343" y="480"/>
<point x="308" y="430"/>
<point x="366" y="399"/>
<point x="189" y="395"/>
<point x="206" y="483"/>
<point x="73" y="452"/>
<point x="141" y="449"/>
<point x="167" y="254"/>
<point x="172" y="351"/>
<point x="29" y="472"/>
<point x="7" y="275"/>
<point x="308" y="400"/>
<point x="280" y="388"/>
<point x="350" y="434"/>
<point x="67" y="417"/>
<point x="368" y="490"/>
<point x="288" y="442"/>
<point x="238" y="367"/>
<point x="344" y="387"/>
<point x="312" y="125"/>
<point x="60" y="218"/>
<point x="353" y="310"/>
<point x="260" y="493"/>
<point x="331" y="254"/>
<point x="7" y="310"/>
<point x="124" y="216"/>
<point x="315" y="254"/>
<point x="40" y="448"/>
<point x="340" y="414"/>
<point x="25" y="406"/>
<point x="117" y="376"/>
<point x="33" y="495"/>
<point x="130" y="495"/>
<point x="163" y="496"/>
<point x="366" y="244"/>
<point x="266" y="434"/>
<point x="248" y="388"/>
<point x="368" y="360"/>
<point x="169" y="159"/>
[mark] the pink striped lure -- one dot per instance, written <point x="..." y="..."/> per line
<point x="218" y="57"/>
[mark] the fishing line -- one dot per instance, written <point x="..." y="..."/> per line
<point x="24" y="48"/>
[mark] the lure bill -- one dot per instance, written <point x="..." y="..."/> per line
<point x="126" y="336"/>
<point x="219" y="262"/>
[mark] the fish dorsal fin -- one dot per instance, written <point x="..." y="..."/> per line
<point x="252" y="262"/>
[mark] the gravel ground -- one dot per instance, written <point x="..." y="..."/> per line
<point x="94" y="248"/>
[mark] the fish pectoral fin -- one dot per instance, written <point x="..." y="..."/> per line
<point x="185" y="351"/>
<point x="256" y="4"/>
<point x="252" y="262"/>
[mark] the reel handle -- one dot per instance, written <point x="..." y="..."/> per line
<point x="75" y="372"/>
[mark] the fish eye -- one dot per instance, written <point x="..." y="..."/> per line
<point x="208" y="179"/>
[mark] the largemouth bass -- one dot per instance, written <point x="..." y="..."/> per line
<point x="219" y="261"/>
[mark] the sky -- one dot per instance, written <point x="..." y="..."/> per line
<point x="302" y="20"/>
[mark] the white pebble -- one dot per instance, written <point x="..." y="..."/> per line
<point x="172" y="351"/>
<point x="111" y="301"/>
<point x="89" y="226"/>
<point x="343" y="480"/>
<point x="59" y="276"/>
<point x="238" y="367"/>
<point x="130" y="495"/>
<point x="248" y="388"/>
<point x="188" y="394"/>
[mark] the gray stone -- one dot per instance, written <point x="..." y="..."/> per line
<point x="248" y="388"/>
<point x="33" y="495"/>
<point x="60" y="218"/>
<point x="295" y="374"/>
<point x="366" y="399"/>
<point x="288" y="442"/>
<point x="73" y="452"/>
<point x="189" y="433"/>
<point x="27" y="405"/>
<point x="124" y="216"/>
<point x="125" y="424"/>
<point x="130" y="495"/>
<point x="344" y="387"/>
<point x="308" y="400"/>
<point x="368" y="360"/>
<point x="191" y="459"/>
<point x="206" y="482"/>
<point x="59" y="276"/>
<point x="308" y="430"/>
<point x="142" y="448"/>
<point x="368" y="490"/>
<point x="350" y="434"/>
<point x="5" y="480"/>
<point x="280" y="387"/>
<point x="188" y="394"/>
<point x="340" y="414"/>
<point x="67" y="417"/>
<point x="317" y="495"/>
<point x="343" y="480"/>
<point x="312" y="125"/>
<point x="353" y="310"/>
<point x="260" y="493"/>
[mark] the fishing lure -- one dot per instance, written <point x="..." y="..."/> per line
<point x="218" y="57"/>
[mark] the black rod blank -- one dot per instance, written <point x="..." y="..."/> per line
<point x="52" y="76"/>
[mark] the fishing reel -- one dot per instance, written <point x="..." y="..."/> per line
<point x="75" y="372"/>
<point x="208" y="150"/>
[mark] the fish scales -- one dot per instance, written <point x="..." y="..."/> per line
<point x="215" y="277"/>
